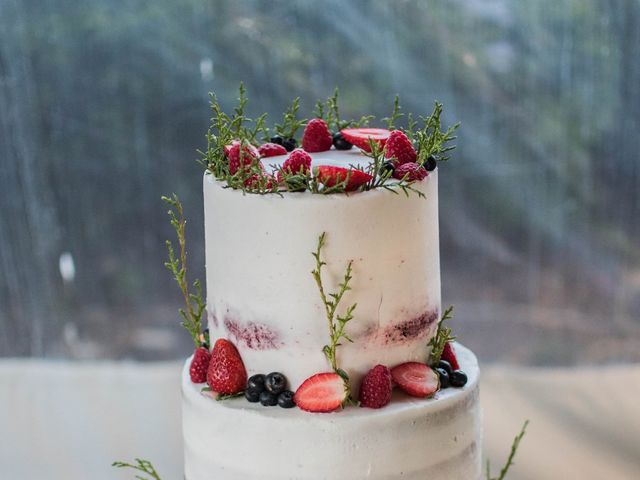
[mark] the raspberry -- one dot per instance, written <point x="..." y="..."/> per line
<point x="199" y="365"/>
<point x="410" y="171"/>
<point x="299" y="161"/>
<point x="249" y="155"/>
<point x="376" y="388"/>
<point x="316" y="136"/>
<point x="399" y="148"/>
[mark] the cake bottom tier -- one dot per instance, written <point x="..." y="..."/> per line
<point x="425" y="439"/>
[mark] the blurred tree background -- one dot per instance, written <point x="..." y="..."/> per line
<point x="103" y="104"/>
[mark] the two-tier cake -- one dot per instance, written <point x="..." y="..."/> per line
<point x="325" y="349"/>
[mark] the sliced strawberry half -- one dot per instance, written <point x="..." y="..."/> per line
<point x="330" y="176"/>
<point x="321" y="393"/>
<point x="360" y="136"/>
<point x="416" y="379"/>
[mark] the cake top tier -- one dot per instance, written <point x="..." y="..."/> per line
<point x="332" y="155"/>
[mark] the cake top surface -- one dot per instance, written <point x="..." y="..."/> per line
<point x="332" y="155"/>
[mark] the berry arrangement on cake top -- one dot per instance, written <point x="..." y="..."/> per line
<point x="246" y="154"/>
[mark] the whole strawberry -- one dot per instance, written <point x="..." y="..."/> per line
<point x="199" y="365"/>
<point x="226" y="374"/>
<point x="249" y="155"/>
<point x="399" y="148"/>
<point x="376" y="388"/>
<point x="299" y="161"/>
<point x="411" y="172"/>
<point x="271" y="150"/>
<point x="316" y="136"/>
<point x="449" y="355"/>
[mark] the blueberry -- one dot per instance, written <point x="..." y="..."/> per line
<point x="387" y="167"/>
<point x="458" y="379"/>
<point x="268" y="399"/>
<point x="340" y="143"/>
<point x="443" y="364"/>
<point x="289" y="144"/>
<point x="252" y="395"/>
<point x="256" y="382"/>
<point x="275" y="383"/>
<point x="277" y="140"/>
<point x="444" y="378"/>
<point x="285" y="399"/>
<point x="431" y="163"/>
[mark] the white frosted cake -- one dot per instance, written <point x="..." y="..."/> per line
<point x="323" y="297"/>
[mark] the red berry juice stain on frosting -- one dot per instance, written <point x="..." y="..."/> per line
<point x="255" y="336"/>
<point x="213" y="320"/>
<point x="411" y="329"/>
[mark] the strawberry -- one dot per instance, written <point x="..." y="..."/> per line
<point x="399" y="148"/>
<point x="271" y="150"/>
<point x="330" y="176"/>
<point x="316" y="136"/>
<point x="416" y="379"/>
<point x="376" y="388"/>
<point x="323" y="392"/>
<point x="299" y="161"/>
<point x="226" y="374"/>
<point x="249" y="155"/>
<point x="449" y="355"/>
<point x="360" y="136"/>
<point x="199" y="365"/>
<point x="410" y="171"/>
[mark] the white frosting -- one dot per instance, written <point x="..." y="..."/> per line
<point x="261" y="295"/>
<point x="413" y="439"/>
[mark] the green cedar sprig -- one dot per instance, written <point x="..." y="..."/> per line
<point x="514" y="449"/>
<point x="431" y="139"/>
<point x="337" y="323"/>
<point x="141" y="465"/>
<point x="177" y="265"/>
<point x="442" y="336"/>
<point x="290" y="121"/>
<point x="329" y="111"/>
<point x="395" y="114"/>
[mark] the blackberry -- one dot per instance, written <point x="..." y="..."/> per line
<point x="277" y="140"/>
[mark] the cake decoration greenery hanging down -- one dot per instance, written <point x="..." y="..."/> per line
<point x="248" y="155"/>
